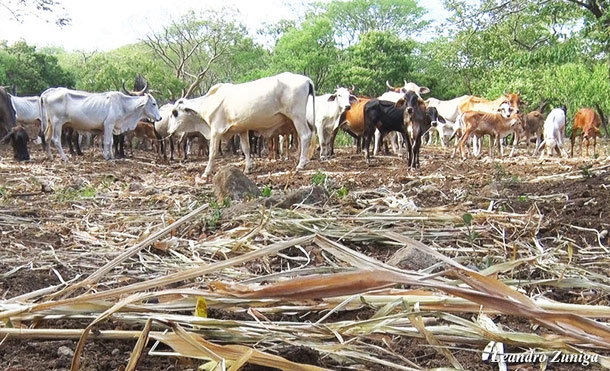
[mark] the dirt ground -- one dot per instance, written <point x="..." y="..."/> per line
<point x="47" y="207"/>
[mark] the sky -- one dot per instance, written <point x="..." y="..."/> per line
<point x="108" y="24"/>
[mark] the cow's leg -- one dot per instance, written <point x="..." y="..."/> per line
<point x="107" y="142"/>
<point x="214" y="143"/>
<point x="56" y="139"/>
<point x="245" y="148"/>
<point x="516" y="140"/>
<point x="594" y="144"/>
<point x="378" y="139"/>
<point x="582" y="137"/>
<point x="171" y="148"/>
<point x="76" y="139"/>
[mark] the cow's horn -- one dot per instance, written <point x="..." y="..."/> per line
<point x="353" y="88"/>
<point x="405" y="81"/>
<point x="387" y="82"/>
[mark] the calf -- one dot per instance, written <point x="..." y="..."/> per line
<point x="553" y="132"/>
<point x="532" y="128"/>
<point x="19" y="139"/>
<point x="144" y="131"/>
<point x="496" y="125"/>
<point x="384" y="116"/>
<point x="586" y="126"/>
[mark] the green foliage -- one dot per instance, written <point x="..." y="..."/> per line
<point x="309" y="50"/>
<point x="377" y="57"/>
<point x="342" y="192"/>
<point x="30" y="71"/>
<point x="352" y="19"/>
<point x="343" y="139"/>
<point x="586" y="171"/>
<point x="467" y="218"/>
<point x="266" y="192"/>
<point x="70" y="194"/>
<point x="318" y="179"/>
<point x="215" y="213"/>
<point x="523" y="198"/>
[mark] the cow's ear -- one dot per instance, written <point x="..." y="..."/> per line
<point x="400" y="103"/>
<point x="353" y="99"/>
<point x="190" y="111"/>
<point x="175" y="113"/>
<point x="424" y="90"/>
<point x="441" y="119"/>
<point x="332" y="97"/>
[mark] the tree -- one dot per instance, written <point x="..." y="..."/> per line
<point x="308" y="50"/>
<point x="105" y="71"/>
<point x="31" y="72"/>
<point x="379" y="56"/>
<point x="45" y="9"/>
<point x="352" y="19"/>
<point x="192" y="45"/>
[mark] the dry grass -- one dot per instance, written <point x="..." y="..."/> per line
<point x="150" y="258"/>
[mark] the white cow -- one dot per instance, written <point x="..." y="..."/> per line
<point x="27" y="110"/>
<point x="111" y="112"/>
<point x="262" y="105"/>
<point x="449" y="110"/>
<point x="329" y="108"/>
<point x="553" y="133"/>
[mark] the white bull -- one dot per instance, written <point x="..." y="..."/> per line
<point x="329" y="108"/>
<point x="262" y="105"/>
<point x="110" y="112"/>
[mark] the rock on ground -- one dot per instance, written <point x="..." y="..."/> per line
<point x="231" y="182"/>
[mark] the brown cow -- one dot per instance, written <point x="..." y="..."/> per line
<point x="493" y="124"/>
<point x="352" y="122"/>
<point x="144" y="131"/>
<point x="586" y="126"/>
<point x="473" y="103"/>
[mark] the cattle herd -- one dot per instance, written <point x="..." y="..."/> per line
<point x="284" y="111"/>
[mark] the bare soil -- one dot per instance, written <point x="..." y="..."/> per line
<point x="55" y="196"/>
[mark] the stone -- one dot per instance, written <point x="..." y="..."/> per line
<point x="231" y="182"/>
<point x="64" y="351"/>
<point x="313" y="195"/>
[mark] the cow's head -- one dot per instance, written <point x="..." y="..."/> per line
<point x="18" y="138"/>
<point x="506" y="110"/>
<point x="151" y="110"/>
<point x="415" y="112"/>
<point x="408" y="86"/>
<point x="513" y="100"/>
<point x="434" y="117"/>
<point x="184" y="118"/>
<point x="344" y="98"/>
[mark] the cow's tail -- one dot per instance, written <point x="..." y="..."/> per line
<point x="313" y="144"/>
